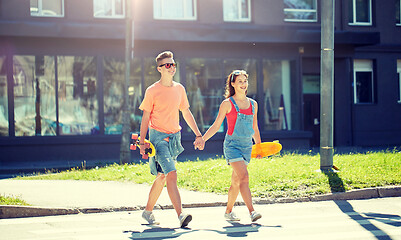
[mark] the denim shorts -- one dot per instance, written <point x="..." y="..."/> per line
<point x="237" y="149"/>
<point x="164" y="162"/>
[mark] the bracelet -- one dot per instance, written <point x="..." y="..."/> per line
<point x="141" y="143"/>
<point x="198" y="137"/>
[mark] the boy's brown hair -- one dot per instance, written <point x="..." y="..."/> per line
<point x="163" y="55"/>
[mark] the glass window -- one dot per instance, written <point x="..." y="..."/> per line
<point x="363" y="81"/>
<point x="135" y="95"/>
<point x="360" y="12"/>
<point x="34" y="95"/>
<point x="205" y="89"/>
<point x="47" y="8"/>
<point x="77" y="95"/>
<point x="237" y="10"/>
<point x="311" y="84"/>
<point x="277" y="95"/>
<point x="399" y="79"/>
<point x="108" y="8"/>
<point x="174" y="9"/>
<point x="300" y="10"/>
<point x="398" y="12"/>
<point x="151" y="73"/>
<point x="3" y="98"/>
<point x="114" y="80"/>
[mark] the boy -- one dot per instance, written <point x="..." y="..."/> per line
<point x="161" y="105"/>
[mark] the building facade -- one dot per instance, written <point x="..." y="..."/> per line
<point x="62" y="70"/>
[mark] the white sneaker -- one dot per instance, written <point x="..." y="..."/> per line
<point x="255" y="216"/>
<point x="231" y="216"/>
<point x="148" y="216"/>
<point x="184" y="219"/>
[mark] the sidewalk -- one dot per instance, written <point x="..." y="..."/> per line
<point x="57" y="197"/>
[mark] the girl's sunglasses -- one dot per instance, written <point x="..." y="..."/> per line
<point x="236" y="73"/>
<point x="168" y="65"/>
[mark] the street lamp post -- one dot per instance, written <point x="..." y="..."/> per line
<point x="125" y="154"/>
<point x="327" y="86"/>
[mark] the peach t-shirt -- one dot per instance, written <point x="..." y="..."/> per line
<point x="164" y="104"/>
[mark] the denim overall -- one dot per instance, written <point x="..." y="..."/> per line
<point x="238" y="146"/>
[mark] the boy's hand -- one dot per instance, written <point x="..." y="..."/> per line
<point x="142" y="148"/>
<point x="199" y="143"/>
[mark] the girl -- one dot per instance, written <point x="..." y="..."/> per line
<point x="241" y="113"/>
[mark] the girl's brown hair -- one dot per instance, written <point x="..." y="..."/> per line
<point x="230" y="91"/>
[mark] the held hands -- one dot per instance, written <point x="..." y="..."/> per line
<point x="199" y="143"/>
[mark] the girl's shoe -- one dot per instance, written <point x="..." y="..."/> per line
<point x="184" y="219"/>
<point x="231" y="216"/>
<point x="255" y="216"/>
<point x="148" y="216"/>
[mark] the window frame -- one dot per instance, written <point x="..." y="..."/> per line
<point x="185" y="18"/>
<point x="302" y="10"/>
<point x="240" y="18"/>
<point x="399" y="13"/>
<point x="114" y="15"/>
<point x="354" y="22"/>
<point x="364" y="65"/>
<point x="39" y="13"/>
<point x="399" y="79"/>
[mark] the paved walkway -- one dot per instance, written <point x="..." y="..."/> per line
<point x="52" y="197"/>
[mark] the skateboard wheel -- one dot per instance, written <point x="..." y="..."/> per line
<point x="132" y="147"/>
<point x="134" y="136"/>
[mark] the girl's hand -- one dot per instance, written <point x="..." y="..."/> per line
<point x="199" y="143"/>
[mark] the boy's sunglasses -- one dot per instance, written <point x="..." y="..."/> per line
<point x="168" y="65"/>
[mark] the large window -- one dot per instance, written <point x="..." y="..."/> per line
<point x="108" y="8"/>
<point x="34" y="95"/>
<point x="205" y="89"/>
<point x="3" y="97"/>
<point x="77" y="95"/>
<point x="363" y="81"/>
<point x="237" y="10"/>
<point x="398" y="12"/>
<point x="277" y="95"/>
<point x="174" y="9"/>
<point x="114" y="78"/>
<point x="135" y="95"/>
<point x="399" y="79"/>
<point x="300" y="10"/>
<point x="360" y="12"/>
<point x="47" y="8"/>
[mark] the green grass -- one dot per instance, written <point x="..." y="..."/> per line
<point x="11" y="200"/>
<point x="287" y="175"/>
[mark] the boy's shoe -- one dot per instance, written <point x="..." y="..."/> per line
<point x="255" y="216"/>
<point x="184" y="219"/>
<point x="148" y="216"/>
<point x="231" y="216"/>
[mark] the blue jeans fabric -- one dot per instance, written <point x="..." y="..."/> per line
<point x="166" y="152"/>
<point x="238" y="146"/>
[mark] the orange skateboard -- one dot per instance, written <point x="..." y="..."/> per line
<point x="266" y="149"/>
<point x="150" y="150"/>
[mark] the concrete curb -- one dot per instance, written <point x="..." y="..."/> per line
<point x="11" y="211"/>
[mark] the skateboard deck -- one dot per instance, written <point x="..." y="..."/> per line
<point x="266" y="149"/>
<point x="150" y="150"/>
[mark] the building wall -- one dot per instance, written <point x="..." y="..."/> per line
<point x="266" y="37"/>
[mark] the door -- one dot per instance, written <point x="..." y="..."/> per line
<point x="311" y="98"/>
